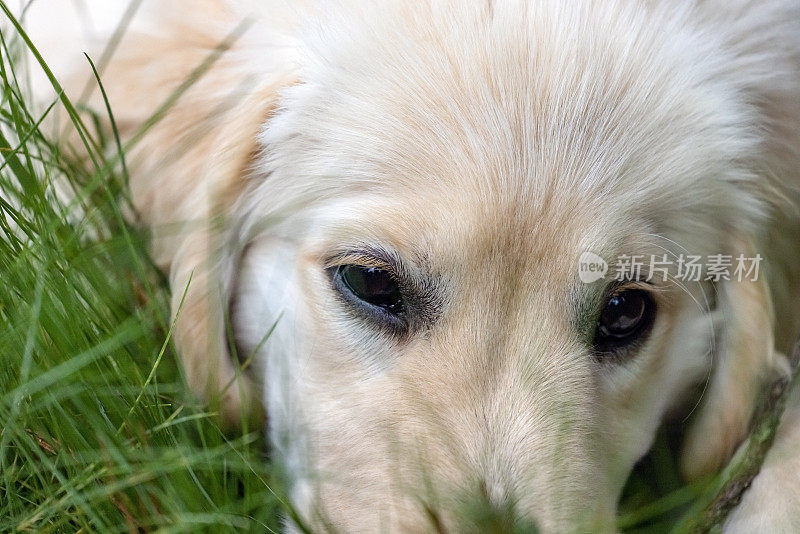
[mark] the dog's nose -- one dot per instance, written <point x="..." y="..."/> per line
<point x="492" y="509"/>
<point x="500" y="519"/>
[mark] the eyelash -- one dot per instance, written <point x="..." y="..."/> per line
<point x="377" y="258"/>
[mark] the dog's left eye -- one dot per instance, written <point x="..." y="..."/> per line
<point x="370" y="285"/>
<point x="626" y="317"/>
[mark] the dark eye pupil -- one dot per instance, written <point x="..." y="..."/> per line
<point x="622" y="314"/>
<point x="374" y="286"/>
<point x="625" y="318"/>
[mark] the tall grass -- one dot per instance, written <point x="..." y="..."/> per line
<point x="98" y="432"/>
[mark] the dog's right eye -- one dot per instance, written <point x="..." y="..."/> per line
<point x="371" y="289"/>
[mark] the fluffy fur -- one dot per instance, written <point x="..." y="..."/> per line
<point x="484" y="145"/>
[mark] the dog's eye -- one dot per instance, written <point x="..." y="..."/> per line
<point x="371" y="285"/>
<point x="626" y="317"/>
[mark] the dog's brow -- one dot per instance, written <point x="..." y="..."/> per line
<point x="366" y="256"/>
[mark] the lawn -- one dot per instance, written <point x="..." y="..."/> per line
<point x="98" y="430"/>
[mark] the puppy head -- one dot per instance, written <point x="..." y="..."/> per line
<point x="410" y="284"/>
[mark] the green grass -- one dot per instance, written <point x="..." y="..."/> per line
<point x="98" y="431"/>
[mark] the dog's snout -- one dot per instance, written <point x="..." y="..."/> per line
<point x="492" y="509"/>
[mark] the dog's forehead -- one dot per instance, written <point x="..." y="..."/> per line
<point x="505" y="128"/>
<point x="501" y="102"/>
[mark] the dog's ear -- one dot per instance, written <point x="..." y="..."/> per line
<point x="203" y="92"/>
<point x="745" y="361"/>
<point x="202" y="268"/>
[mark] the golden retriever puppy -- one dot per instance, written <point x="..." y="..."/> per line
<point x="456" y="241"/>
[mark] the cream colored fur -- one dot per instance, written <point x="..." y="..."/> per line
<point x="486" y="144"/>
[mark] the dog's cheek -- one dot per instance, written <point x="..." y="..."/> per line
<point x="637" y="394"/>
<point x="268" y="310"/>
<point x="285" y="319"/>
